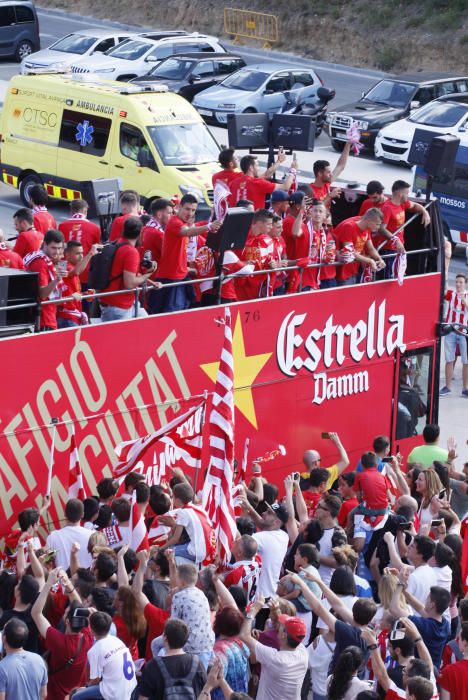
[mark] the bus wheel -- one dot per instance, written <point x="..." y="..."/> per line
<point x="25" y="186"/>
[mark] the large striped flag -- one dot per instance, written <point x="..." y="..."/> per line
<point x="75" y="475"/>
<point x="217" y="490"/>
<point x="183" y="435"/>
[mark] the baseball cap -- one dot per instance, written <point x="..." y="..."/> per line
<point x="279" y="196"/>
<point x="281" y="512"/>
<point x="297" y="197"/>
<point x="295" y="627"/>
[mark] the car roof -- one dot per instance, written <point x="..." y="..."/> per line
<point x="271" y="67"/>
<point x="455" y="97"/>
<point x="423" y="77"/>
<point x="162" y="34"/>
<point x="98" y="33"/>
<point x="203" y="55"/>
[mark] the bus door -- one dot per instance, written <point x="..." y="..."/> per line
<point x="415" y="396"/>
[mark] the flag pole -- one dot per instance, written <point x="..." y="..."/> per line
<point x="202" y="423"/>
<point x="53" y="422"/>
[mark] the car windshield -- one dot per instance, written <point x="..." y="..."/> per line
<point x="172" y="69"/>
<point x="390" y="93"/>
<point x="130" y="50"/>
<point x="74" y="43"/>
<point x="249" y="80"/>
<point x="439" y="114"/>
<point x="184" y="144"/>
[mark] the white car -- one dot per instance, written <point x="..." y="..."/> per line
<point x="138" y="55"/>
<point x="61" y="54"/>
<point x="446" y="115"/>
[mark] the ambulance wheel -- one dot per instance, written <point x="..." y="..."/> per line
<point x="25" y="186"/>
<point x="24" y="49"/>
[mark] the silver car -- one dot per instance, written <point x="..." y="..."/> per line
<point x="62" y="53"/>
<point x="256" y="88"/>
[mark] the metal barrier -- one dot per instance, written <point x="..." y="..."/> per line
<point x="251" y="25"/>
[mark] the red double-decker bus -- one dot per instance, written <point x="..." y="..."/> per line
<point x="360" y="360"/>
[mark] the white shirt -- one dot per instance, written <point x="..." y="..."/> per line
<point x="421" y="581"/>
<point x="347" y="600"/>
<point x="326" y="572"/>
<point x="62" y="540"/>
<point x="272" y="547"/>
<point x="282" y="672"/>
<point x="320" y="654"/>
<point x="111" y="660"/>
<point x="444" y="580"/>
<point x="355" y="687"/>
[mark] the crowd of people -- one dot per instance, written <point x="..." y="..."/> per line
<point x="348" y="584"/>
<point x="165" y="250"/>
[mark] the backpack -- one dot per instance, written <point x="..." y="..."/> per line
<point x="178" y="688"/>
<point x="101" y="267"/>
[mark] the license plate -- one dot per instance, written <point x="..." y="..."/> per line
<point x="391" y="156"/>
<point x="340" y="136"/>
<point x="221" y="117"/>
<point x="205" y="112"/>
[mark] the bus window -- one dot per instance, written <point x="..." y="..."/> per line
<point x="414" y="392"/>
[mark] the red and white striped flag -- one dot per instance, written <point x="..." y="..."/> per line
<point x="138" y="534"/>
<point x="217" y="490"/>
<point x="75" y="475"/>
<point x="183" y="434"/>
<point x="221" y="194"/>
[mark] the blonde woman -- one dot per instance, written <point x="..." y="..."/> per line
<point x="388" y="584"/>
<point x="429" y="487"/>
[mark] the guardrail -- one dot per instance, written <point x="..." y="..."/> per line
<point x="251" y="25"/>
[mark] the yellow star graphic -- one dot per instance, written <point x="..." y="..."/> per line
<point x="246" y="369"/>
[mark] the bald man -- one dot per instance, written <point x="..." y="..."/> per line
<point x="312" y="460"/>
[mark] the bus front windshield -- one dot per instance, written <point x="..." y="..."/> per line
<point x="184" y="144"/>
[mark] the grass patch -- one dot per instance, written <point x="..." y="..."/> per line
<point x="387" y="57"/>
<point x="443" y="21"/>
<point x="464" y="39"/>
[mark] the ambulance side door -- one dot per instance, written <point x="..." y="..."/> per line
<point x="83" y="146"/>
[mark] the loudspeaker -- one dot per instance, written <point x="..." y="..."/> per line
<point x="441" y="156"/>
<point x="248" y="130"/>
<point x="419" y="146"/>
<point x="233" y="232"/>
<point x="103" y="196"/>
<point x="18" y="287"/>
<point x="294" y="131"/>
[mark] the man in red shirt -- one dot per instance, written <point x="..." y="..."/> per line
<point x="129" y="206"/>
<point x="152" y="233"/>
<point x="453" y="680"/>
<point x="28" y="239"/>
<point x="258" y="250"/>
<point x="324" y="176"/>
<point x="125" y="274"/>
<point x="79" y="228"/>
<point x="70" y="314"/>
<point x="8" y="258"/>
<point x="229" y="164"/>
<point x="49" y="278"/>
<point x="375" y="197"/>
<point x="249" y="185"/>
<point x="354" y="245"/>
<point x="43" y="220"/>
<point x="173" y="263"/>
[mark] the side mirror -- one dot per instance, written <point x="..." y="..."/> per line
<point x="195" y="78"/>
<point x="152" y="59"/>
<point x="363" y="94"/>
<point x="415" y="104"/>
<point x="145" y="158"/>
<point x="463" y="127"/>
<point x="268" y="91"/>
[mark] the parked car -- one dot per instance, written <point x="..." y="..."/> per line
<point x="256" y="88"/>
<point x="19" y="29"/>
<point x="387" y="101"/>
<point x="62" y="53"/>
<point x="136" y="56"/>
<point x="190" y="73"/>
<point x="447" y="115"/>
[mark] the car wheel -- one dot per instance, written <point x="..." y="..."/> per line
<point x="24" y="49"/>
<point x="337" y="145"/>
<point x="125" y="78"/>
<point x="25" y="187"/>
<point x="249" y="110"/>
<point x="318" y="131"/>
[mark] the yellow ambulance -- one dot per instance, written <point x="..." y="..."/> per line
<point x="63" y="131"/>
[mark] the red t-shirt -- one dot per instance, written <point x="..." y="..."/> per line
<point x="151" y="238"/>
<point x="373" y="486"/>
<point x="49" y="312"/>
<point x="156" y="619"/>
<point x="348" y="232"/>
<point x="70" y="310"/>
<point x="253" y="188"/>
<point x="311" y="499"/>
<point x="454" y="678"/>
<point x="43" y="220"/>
<point x="117" y="226"/>
<point x="124" y="635"/>
<point x="393" y="218"/>
<point x="226" y="176"/>
<point x="126" y="259"/>
<point x="345" y="510"/>
<point x="173" y="261"/>
<point x="28" y="242"/>
<point x="320" y="192"/>
<point x="63" y="647"/>
<point x="9" y="258"/>
<point x="369" y="204"/>
<point x="307" y="246"/>
<point x="258" y="251"/>
<point x="85" y="232"/>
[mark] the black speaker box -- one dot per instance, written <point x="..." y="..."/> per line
<point x="103" y="196"/>
<point x="294" y="131"/>
<point x="17" y="287"/>
<point x="441" y="156"/>
<point x="233" y="232"/>
<point x="419" y="146"/>
<point x="248" y="130"/>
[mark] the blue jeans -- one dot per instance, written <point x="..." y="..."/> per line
<point x="178" y="298"/>
<point x="115" y="313"/>
<point x="347" y="283"/>
<point x="327" y="284"/>
<point x="181" y="550"/>
<point x="92" y="692"/>
<point x="66" y="323"/>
